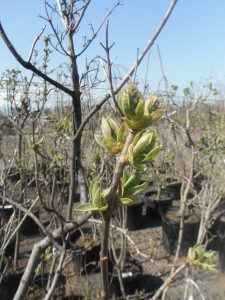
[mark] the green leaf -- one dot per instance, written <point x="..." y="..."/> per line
<point x="99" y="139"/>
<point x="92" y="190"/>
<point x="138" y="136"/>
<point x="150" y="101"/>
<point x="139" y="111"/>
<point x="126" y="201"/>
<point x="136" y="189"/>
<point x="157" y="114"/>
<point x="132" y="181"/>
<point x="117" y="149"/>
<point x="106" y="129"/>
<point x="108" y="143"/>
<point x="105" y="192"/>
<point x="103" y="208"/>
<point x="143" y="142"/>
<point x="87" y="207"/>
<point x="125" y="102"/>
<point x="97" y="197"/>
<point x="151" y="155"/>
<point x="122" y="133"/>
<point x="133" y="123"/>
<point x="114" y="126"/>
<point x="125" y="177"/>
<point x="139" y="166"/>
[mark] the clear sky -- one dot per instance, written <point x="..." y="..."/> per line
<point x="192" y="44"/>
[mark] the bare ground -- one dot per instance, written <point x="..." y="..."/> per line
<point x="195" y="283"/>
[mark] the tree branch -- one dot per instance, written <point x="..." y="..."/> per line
<point x="81" y="15"/>
<point x="38" y="249"/>
<point x="35" y="41"/>
<point x="131" y="71"/>
<point x="29" y="66"/>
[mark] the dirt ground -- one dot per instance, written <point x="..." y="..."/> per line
<point x="191" y="284"/>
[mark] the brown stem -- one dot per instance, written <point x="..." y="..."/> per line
<point x="106" y="216"/>
<point x="38" y="249"/>
<point x="169" y="280"/>
<point x="28" y="65"/>
<point x="16" y="251"/>
<point x="132" y="69"/>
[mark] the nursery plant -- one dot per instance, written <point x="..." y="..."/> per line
<point x="128" y="135"/>
<point x="196" y="160"/>
<point x="135" y="144"/>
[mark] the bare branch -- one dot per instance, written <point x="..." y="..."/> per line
<point x="99" y="28"/>
<point x="130" y="72"/>
<point x="168" y="281"/>
<point x="38" y="249"/>
<point x="108" y="73"/>
<point x="124" y="232"/>
<point x="81" y="16"/>
<point x="29" y="66"/>
<point x="32" y="49"/>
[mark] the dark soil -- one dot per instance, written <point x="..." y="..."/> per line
<point x="193" y="283"/>
<point x="174" y="216"/>
<point x="157" y="266"/>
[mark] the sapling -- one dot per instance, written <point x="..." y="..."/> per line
<point x="135" y="145"/>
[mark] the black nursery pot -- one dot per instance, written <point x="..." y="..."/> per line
<point x="9" y="285"/>
<point x="9" y="250"/>
<point x="85" y="251"/>
<point x="41" y="281"/>
<point x="134" y="215"/>
<point x="170" y="230"/>
<point x="175" y="187"/>
<point x="221" y="236"/>
<point x="29" y="226"/>
<point x="6" y="211"/>
<point x="136" y="286"/>
<point x="155" y="203"/>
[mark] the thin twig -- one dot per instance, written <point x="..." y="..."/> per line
<point x="125" y="234"/>
<point x="35" y="41"/>
<point x="130" y="72"/>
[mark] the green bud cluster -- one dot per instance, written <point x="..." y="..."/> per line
<point x="97" y="199"/>
<point x="143" y="149"/>
<point x="197" y="256"/>
<point x="144" y="146"/>
<point x="139" y="114"/>
<point x="128" y="189"/>
<point x="113" y="135"/>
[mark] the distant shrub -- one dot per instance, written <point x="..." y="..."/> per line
<point x="6" y="125"/>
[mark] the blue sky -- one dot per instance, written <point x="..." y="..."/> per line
<point x="192" y="44"/>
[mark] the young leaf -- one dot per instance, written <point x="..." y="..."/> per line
<point x="122" y="133"/>
<point x="105" y="127"/>
<point x="87" y="207"/>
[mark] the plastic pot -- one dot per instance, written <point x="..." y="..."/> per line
<point x="6" y="211"/>
<point x="9" y="285"/>
<point x="132" y="266"/>
<point x="175" y="187"/>
<point x="41" y="281"/>
<point x="170" y="230"/>
<point x="221" y="236"/>
<point x="135" y="286"/>
<point x="213" y="233"/>
<point x="29" y="226"/>
<point x="85" y="251"/>
<point x="134" y="215"/>
<point x="155" y="202"/>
